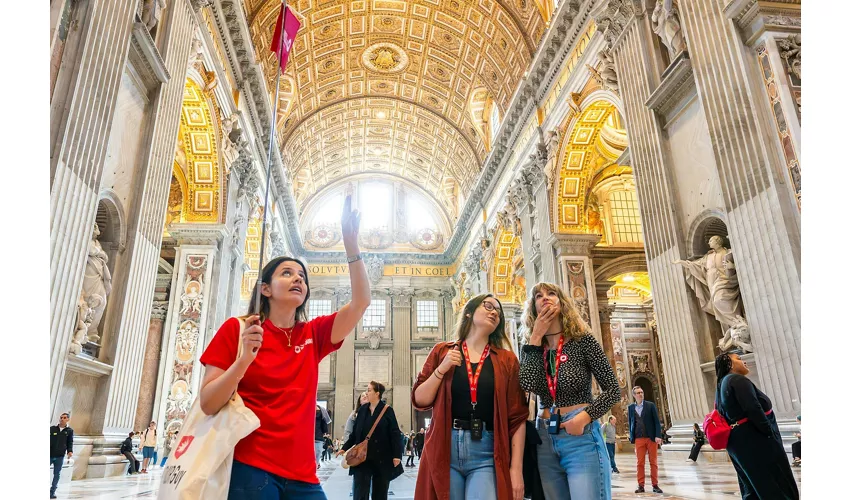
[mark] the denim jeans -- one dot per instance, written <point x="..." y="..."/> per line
<point x="574" y="467"/>
<point x="250" y="483"/>
<point x="612" y="449"/>
<point x="472" y="473"/>
<point x="57" y="463"/>
<point x="317" y="445"/>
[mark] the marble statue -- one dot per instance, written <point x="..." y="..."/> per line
<point x="462" y="292"/>
<point x="607" y="71"/>
<point x="665" y="23"/>
<point x="152" y="13"/>
<point x="97" y="283"/>
<point x="552" y="141"/>
<point x="715" y="281"/>
<point x="488" y="252"/>
<point x="790" y="49"/>
<point x="84" y="318"/>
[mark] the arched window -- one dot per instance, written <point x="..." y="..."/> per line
<point x="494" y="122"/>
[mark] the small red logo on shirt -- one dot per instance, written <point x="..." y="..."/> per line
<point x="182" y="446"/>
<point x="299" y="348"/>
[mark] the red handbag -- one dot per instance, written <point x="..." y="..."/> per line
<point x="717" y="429"/>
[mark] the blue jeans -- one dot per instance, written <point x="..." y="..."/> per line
<point x="574" y="467"/>
<point x="57" y="463"/>
<point x="472" y="473"/>
<point x="250" y="483"/>
<point x="612" y="449"/>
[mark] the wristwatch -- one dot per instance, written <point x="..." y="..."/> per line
<point x="352" y="260"/>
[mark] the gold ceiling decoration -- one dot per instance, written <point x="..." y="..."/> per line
<point x="595" y="142"/>
<point x="385" y="57"/>
<point x="507" y="284"/>
<point x="196" y="142"/>
<point x="252" y="253"/>
<point x="631" y="287"/>
<point x="421" y="58"/>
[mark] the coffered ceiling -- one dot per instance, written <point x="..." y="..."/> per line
<point x="390" y="86"/>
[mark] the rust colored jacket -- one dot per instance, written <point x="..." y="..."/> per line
<point x="509" y="414"/>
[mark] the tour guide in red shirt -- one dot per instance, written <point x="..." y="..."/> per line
<point x="278" y="371"/>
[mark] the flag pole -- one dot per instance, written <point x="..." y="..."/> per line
<point x="272" y="137"/>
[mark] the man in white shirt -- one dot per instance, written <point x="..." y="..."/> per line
<point x="148" y="445"/>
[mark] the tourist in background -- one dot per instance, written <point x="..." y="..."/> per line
<point x="419" y="443"/>
<point x="476" y="439"/>
<point x="699" y="440"/>
<point x="558" y="364"/>
<point x="319" y="430"/>
<point x="409" y="451"/>
<point x="279" y="361"/>
<point x="169" y="445"/>
<point x="61" y="445"/>
<point x="127" y="451"/>
<point x="384" y="450"/>
<point x="795" y="446"/>
<point x="755" y="445"/>
<point x="148" y="445"/>
<point x="609" y="430"/>
<point x="645" y="434"/>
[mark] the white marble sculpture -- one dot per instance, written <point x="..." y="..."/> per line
<point x="553" y="138"/>
<point x="97" y="283"/>
<point x="84" y="318"/>
<point x="152" y="13"/>
<point x="665" y="23"/>
<point x="715" y="281"/>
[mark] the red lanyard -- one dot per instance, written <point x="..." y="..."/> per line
<point x="552" y="382"/>
<point x="473" y="379"/>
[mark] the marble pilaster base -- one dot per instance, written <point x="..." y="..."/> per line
<point x="104" y="459"/>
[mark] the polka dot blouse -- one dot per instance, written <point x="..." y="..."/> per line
<point x="584" y="356"/>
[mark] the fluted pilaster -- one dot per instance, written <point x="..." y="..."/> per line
<point x="763" y="220"/>
<point x="402" y="376"/>
<point x="81" y="115"/>
<point x="344" y="395"/>
<point x="146" y="229"/>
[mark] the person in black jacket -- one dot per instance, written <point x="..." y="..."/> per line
<point x="322" y="421"/>
<point x="61" y="444"/>
<point x="384" y="451"/>
<point x="699" y="440"/>
<point x="645" y="434"/>
<point x="755" y="446"/>
<point x="419" y="443"/>
<point x="127" y="451"/>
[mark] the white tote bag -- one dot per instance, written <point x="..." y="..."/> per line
<point x="200" y="463"/>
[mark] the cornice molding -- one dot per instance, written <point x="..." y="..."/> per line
<point x="146" y="57"/>
<point x="754" y="17"/>
<point x="677" y="81"/>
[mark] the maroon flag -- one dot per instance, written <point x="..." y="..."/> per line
<point x="289" y="24"/>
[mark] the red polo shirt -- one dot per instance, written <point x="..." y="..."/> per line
<point x="280" y="388"/>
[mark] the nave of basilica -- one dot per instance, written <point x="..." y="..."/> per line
<point x="625" y="150"/>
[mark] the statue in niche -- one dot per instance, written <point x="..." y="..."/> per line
<point x="487" y="253"/>
<point x="552" y="141"/>
<point x="665" y="23"/>
<point x="84" y="319"/>
<point x="715" y="281"/>
<point x="152" y="13"/>
<point x="97" y="283"/>
<point x="461" y="292"/>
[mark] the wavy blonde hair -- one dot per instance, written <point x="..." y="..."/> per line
<point x="572" y="324"/>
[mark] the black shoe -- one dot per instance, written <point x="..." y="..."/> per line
<point x="640" y="490"/>
<point x="615" y="471"/>
<point x="656" y="489"/>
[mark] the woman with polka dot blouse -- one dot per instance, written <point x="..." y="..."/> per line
<point x="557" y="364"/>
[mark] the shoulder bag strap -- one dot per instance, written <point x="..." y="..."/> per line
<point x="376" y="421"/>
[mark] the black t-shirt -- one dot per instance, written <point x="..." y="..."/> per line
<point x="461" y="398"/>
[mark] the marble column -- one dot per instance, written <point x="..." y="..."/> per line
<point x="82" y="108"/>
<point x="449" y="316"/>
<point x="513" y="325"/>
<point x="576" y="274"/>
<point x="189" y="315"/>
<point x="402" y="377"/>
<point x="763" y="219"/>
<point x="344" y="395"/>
<point x="150" y="367"/>
<point x="605" y="311"/>
<point x="127" y="347"/>
<point x="639" y="66"/>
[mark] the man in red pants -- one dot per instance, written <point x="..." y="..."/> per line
<point x="645" y="434"/>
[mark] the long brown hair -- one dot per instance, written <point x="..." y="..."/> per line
<point x="572" y="324"/>
<point x="499" y="338"/>
<point x="268" y="273"/>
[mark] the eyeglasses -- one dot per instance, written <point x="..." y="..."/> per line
<point x="490" y="306"/>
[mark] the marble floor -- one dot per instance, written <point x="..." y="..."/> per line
<point x="679" y="480"/>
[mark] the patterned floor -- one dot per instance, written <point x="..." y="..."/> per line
<point x="679" y="480"/>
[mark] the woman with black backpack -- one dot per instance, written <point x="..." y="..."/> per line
<point x="754" y="445"/>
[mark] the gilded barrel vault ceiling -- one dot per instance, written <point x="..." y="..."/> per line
<point x="596" y="140"/>
<point x="507" y="284"/>
<point x="387" y="86"/>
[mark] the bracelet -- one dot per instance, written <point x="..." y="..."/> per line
<point x="352" y="260"/>
<point x="439" y="377"/>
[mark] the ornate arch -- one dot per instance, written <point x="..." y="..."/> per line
<point x="507" y="282"/>
<point x="114" y="222"/>
<point x="198" y="135"/>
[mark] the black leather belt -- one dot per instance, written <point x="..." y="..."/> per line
<point x="464" y="425"/>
